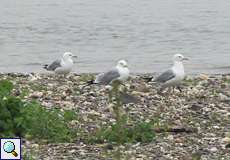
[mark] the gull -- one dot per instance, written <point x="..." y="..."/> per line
<point x="120" y="73"/>
<point x="175" y="75"/>
<point x="63" y="65"/>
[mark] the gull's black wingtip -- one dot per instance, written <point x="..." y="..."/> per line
<point x="147" y="79"/>
<point x="45" y="66"/>
<point x="90" y="82"/>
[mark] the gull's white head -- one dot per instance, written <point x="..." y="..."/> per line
<point x="67" y="55"/>
<point x="122" y="63"/>
<point x="179" y="58"/>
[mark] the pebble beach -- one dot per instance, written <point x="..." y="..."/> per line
<point x="204" y="104"/>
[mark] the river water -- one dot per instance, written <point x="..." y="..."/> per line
<point x="100" y="32"/>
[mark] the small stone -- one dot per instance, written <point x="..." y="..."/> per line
<point x="34" y="145"/>
<point x="178" y="140"/>
<point x="224" y="98"/>
<point x="170" y="137"/>
<point x="109" y="147"/>
<point x="227" y="146"/>
<point x="226" y="140"/>
<point x="196" y="106"/>
<point x="213" y="149"/>
<point x="216" y="127"/>
<point x="204" y="77"/>
<point x="36" y="95"/>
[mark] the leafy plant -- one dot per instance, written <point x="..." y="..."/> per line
<point x="20" y="118"/>
<point x="47" y="124"/>
<point x="227" y="80"/>
<point x="5" y="88"/>
<point x="140" y="132"/>
<point x="143" y="132"/>
<point x="29" y="155"/>
<point x="120" y="132"/>
<point x="10" y="111"/>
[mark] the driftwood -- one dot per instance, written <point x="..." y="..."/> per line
<point x="176" y="130"/>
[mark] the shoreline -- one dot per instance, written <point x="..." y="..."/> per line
<point x="95" y="73"/>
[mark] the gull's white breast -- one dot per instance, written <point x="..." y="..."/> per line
<point x="66" y="67"/>
<point x="178" y="70"/>
<point x="124" y="73"/>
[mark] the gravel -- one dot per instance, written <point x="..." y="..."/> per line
<point x="204" y="104"/>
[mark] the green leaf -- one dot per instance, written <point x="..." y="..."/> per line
<point x="70" y="115"/>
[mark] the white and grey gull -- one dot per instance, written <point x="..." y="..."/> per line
<point x="120" y="73"/>
<point x="173" y="76"/>
<point x="63" y="65"/>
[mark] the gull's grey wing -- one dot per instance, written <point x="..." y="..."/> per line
<point x="54" y="65"/>
<point x="108" y="77"/>
<point x="166" y="76"/>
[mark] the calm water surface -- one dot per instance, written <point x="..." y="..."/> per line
<point x="100" y="32"/>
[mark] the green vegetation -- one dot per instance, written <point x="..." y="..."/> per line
<point x="121" y="132"/>
<point x="28" y="156"/>
<point x="30" y="119"/>
<point x="226" y="80"/>
<point x="10" y="108"/>
<point x="139" y="132"/>
<point x="51" y="125"/>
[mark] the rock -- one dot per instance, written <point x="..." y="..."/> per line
<point x="213" y="149"/>
<point x="224" y="98"/>
<point x="226" y="140"/>
<point x="178" y="140"/>
<point x="196" y="106"/>
<point x="34" y="145"/>
<point x="109" y="147"/>
<point x="36" y="95"/>
<point x="170" y="137"/>
<point x="203" y="76"/>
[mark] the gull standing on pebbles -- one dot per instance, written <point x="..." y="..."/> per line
<point x="62" y="66"/>
<point x="120" y="72"/>
<point x="175" y="75"/>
